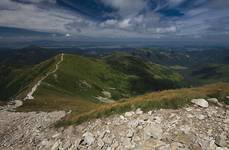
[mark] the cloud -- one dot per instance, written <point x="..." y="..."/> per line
<point x="35" y="1"/>
<point x="67" y="35"/>
<point x="175" y="3"/>
<point x="30" y="16"/>
<point x="126" y="18"/>
<point x="126" y="8"/>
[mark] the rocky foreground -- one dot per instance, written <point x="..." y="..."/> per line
<point x="201" y="126"/>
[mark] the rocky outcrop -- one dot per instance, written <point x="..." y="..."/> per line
<point x="187" y="128"/>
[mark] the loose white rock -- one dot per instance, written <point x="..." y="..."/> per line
<point x="150" y="112"/>
<point x="200" y="102"/>
<point x="152" y="131"/>
<point x="128" y="114"/>
<point x="18" y="103"/>
<point x="213" y="100"/>
<point x="200" y="117"/>
<point x="139" y="111"/>
<point x="130" y="133"/>
<point x="88" y="138"/>
<point x="100" y="142"/>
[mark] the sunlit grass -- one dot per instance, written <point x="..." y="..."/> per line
<point x="155" y="100"/>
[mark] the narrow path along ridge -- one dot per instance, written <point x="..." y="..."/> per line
<point x="30" y="94"/>
<point x="16" y="103"/>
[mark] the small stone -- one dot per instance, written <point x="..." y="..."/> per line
<point x="114" y="145"/>
<point x="157" y="119"/>
<point x="122" y="117"/>
<point x="219" y="104"/>
<point x="150" y="113"/>
<point x="100" y="142"/>
<point x="88" y="138"/>
<point x="188" y="109"/>
<point x="128" y="144"/>
<point x="153" y="131"/>
<point x="108" y="139"/>
<point x="200" y="102"/>
<point x="186" y="129"/>
<point x="226" y="121"/>
<point x="200" y="117"/>
<point x="222" y="148"/>
<point x="56" y="145"/>
<point x="164" y="147"/>
<point x="213" y="100"/>
<point x="177" y="146"/>
<point x="101" y="134"/>
<point x="56" y="135"/>
<point x="128" y="114"/>
<point x="18" y="103"/>
<point x="130" y="133"/>
<point x="189" y="116"/>
<point x="222" y="140"/>
<point x="45" y="142"/>
<point x="109" y="148"/>
<point x="139" y="111"/>
<point x="133" y="123"/>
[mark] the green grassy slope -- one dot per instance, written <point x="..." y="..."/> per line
<point x="17" y="80"/>
<point x="145" y="76"/>
<point x="80" y="80"/>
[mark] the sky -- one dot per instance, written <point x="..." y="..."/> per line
<point x="115" y="20"/>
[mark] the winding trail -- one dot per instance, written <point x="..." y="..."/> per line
<point x="22" y="127"/>
<point x="17" y="103"/>
<point x="30" y="94"/>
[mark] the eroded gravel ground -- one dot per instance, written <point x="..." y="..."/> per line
<point x="25" y="130"/>
<point x="187" y="128"/>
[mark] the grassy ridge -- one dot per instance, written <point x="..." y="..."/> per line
<point x="155" y="100"/>
<point x="80" y="79"/>
<point x="16" y="80"/>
